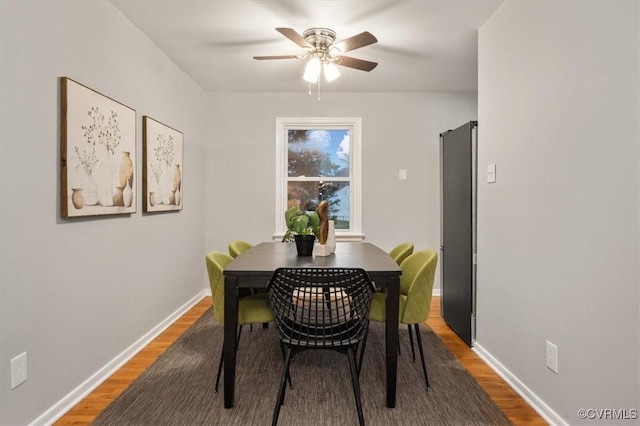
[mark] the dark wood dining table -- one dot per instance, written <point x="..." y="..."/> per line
<point x="254" y="268"/>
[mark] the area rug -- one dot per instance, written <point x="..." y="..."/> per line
<point x="178" y="388"/>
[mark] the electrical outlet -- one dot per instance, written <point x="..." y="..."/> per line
<point x="402" y="174"/>
<point x="18" y="370"/>
<point x="552" y="357"/>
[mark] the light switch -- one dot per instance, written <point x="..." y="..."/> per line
<point x="402" y="174"/>
<point x="491" y="173"/>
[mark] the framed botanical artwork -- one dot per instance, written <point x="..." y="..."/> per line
<point x="98" y="153"/>
<point x="161" y="166"/>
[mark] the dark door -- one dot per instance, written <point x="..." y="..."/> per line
<point x="458" y="164"/>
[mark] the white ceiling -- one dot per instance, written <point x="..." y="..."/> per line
<point x="423" y="45"/>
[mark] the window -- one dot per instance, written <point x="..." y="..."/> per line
<point x="319" y="159"/>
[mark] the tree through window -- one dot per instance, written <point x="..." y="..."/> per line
<point x="319" y="160"/>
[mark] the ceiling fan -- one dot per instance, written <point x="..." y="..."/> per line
<point x="324" y="53"/>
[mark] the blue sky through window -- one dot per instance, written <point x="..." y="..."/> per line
<point x="333" y="142"/>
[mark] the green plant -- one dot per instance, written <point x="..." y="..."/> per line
<point x="103" y="130"/>
<point x="301" y="223"/>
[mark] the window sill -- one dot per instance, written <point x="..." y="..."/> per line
<point x="340" y="237"/>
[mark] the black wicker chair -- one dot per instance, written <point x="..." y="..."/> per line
<point x="320" y="308"/>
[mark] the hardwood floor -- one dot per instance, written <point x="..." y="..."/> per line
<point x="509" y="402"/>
<point x="88" y="409"/>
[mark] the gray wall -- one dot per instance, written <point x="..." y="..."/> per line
<point x="398" y="131"/>
<point x="558" y="232"/>
<point x="76" y="293"/>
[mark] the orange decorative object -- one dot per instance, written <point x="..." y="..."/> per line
<point x="323" y="213"/>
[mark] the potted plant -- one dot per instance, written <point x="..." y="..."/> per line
<point x="303" y="227"/>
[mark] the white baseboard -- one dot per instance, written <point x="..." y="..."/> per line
<point x="73" y="398"/>
<point x="530" y="398"/>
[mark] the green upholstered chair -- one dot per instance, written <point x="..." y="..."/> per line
<point x="251" y="309"/>
<point x="401" y="252"/>
<point x="416" y="286"/>
<point x="236" y="247"/>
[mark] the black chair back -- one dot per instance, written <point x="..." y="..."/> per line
<point x="320" y="307"/>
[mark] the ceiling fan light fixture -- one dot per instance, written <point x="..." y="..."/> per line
<point x="312" y="70"/>
<point x="325" y="54"/>
<point x="331" y="71"/>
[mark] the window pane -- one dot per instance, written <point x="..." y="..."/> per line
<point x="318" y="153"/>
<point x="307" y="196"/>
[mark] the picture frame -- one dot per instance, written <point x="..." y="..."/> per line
<point x="98" y="153"/>
<point x="162" y="166"/>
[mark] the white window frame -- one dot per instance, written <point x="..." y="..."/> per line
<point x="354" y="125"/>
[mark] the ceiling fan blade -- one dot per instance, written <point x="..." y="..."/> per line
<point x="355" y="42"/>
<point x="359" y="64"/>
<point x="262" y="58"/>
<point x="292" y="35"/>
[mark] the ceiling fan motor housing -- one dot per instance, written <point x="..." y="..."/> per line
<point x="320" y="38"/>
<point x="320" y="45"/>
